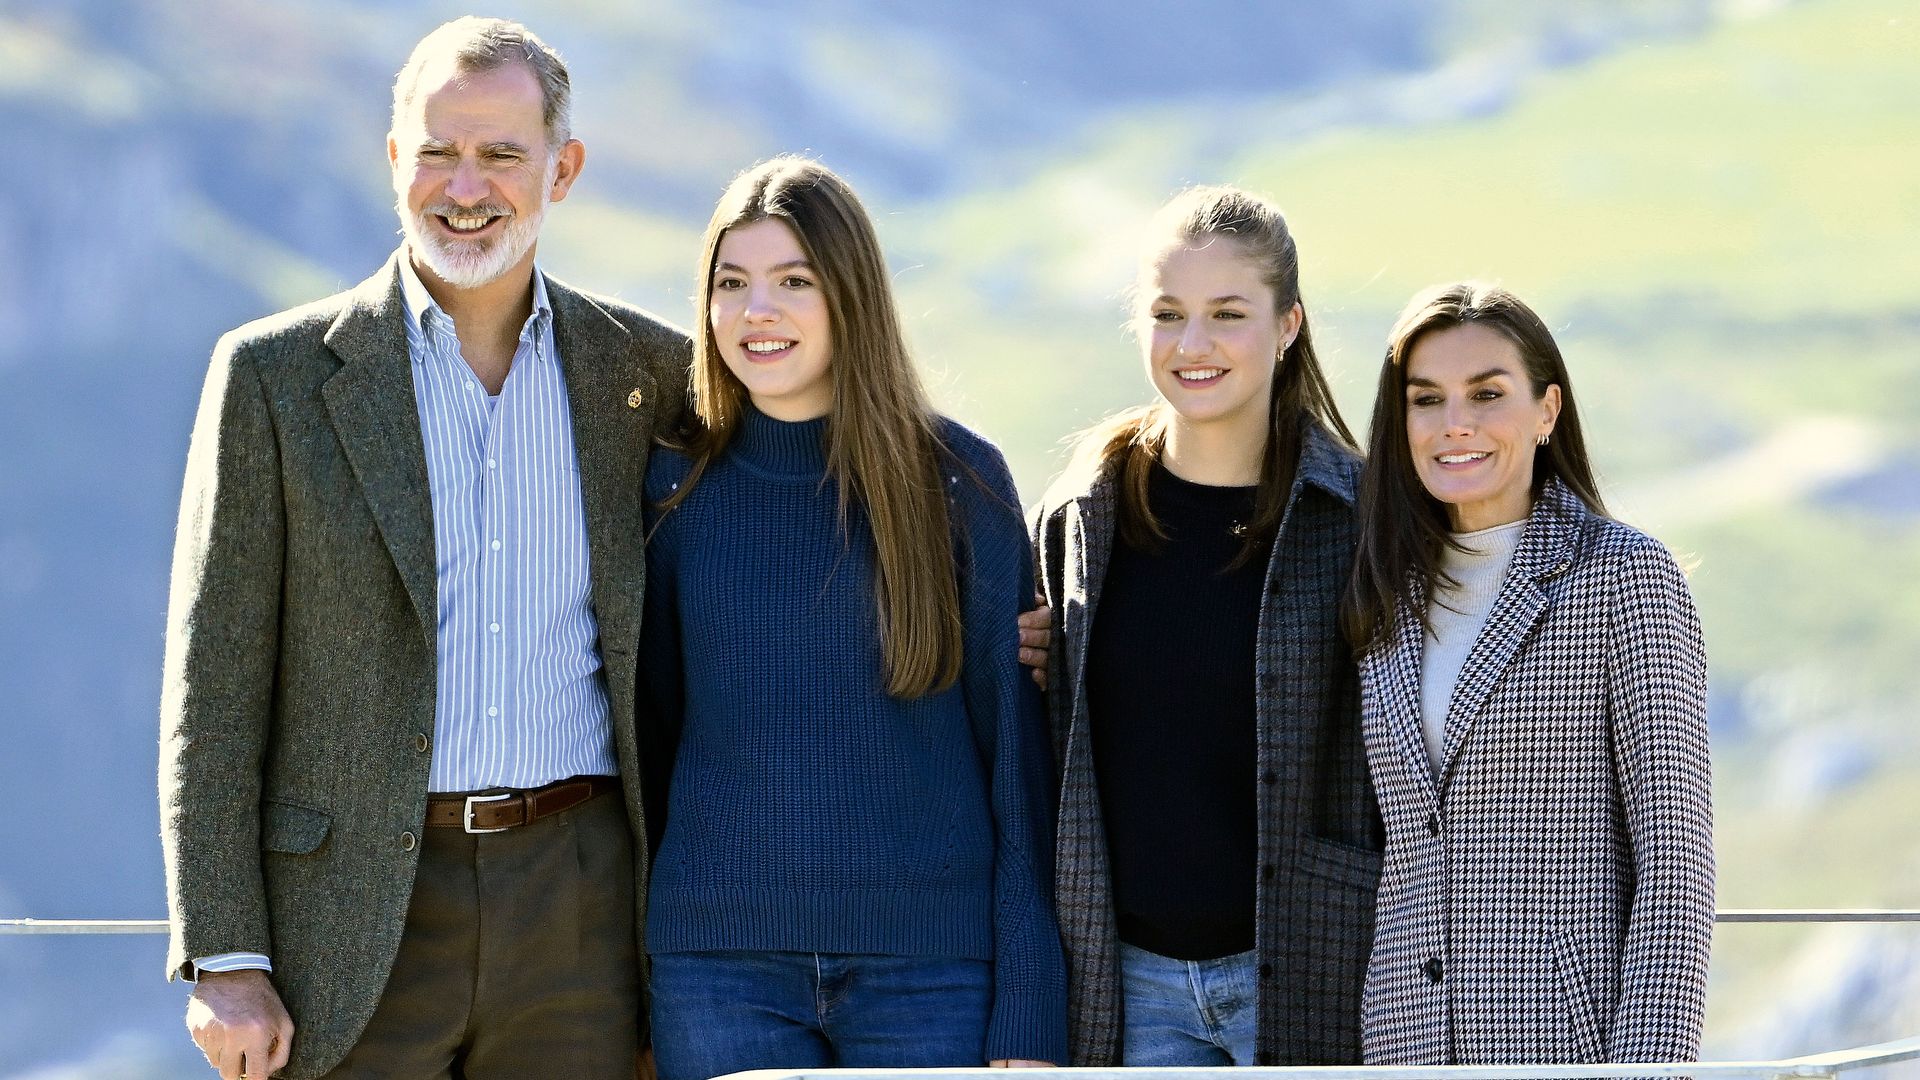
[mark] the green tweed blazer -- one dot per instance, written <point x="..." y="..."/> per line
<point x="300" y="656"/>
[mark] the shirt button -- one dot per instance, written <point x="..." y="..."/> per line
<point x="493" y="710"/>
<point x="495" y="545"/>
<point x="421" y="742"/>
<point x="1433" y="969"/>
<point x="492" y="464"/>
<point x="1433" y="824"/>
<point x="495" y="627"/>
<point x="407" y="841"/>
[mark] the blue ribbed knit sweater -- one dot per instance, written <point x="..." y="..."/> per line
<point x="809" y="810"/>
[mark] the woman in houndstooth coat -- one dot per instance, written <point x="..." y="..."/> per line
<point x="1534" y="705"/>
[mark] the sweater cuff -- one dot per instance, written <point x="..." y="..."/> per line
<point x="1028" y="1026"/>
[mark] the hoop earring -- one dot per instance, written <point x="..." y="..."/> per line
<point x="1542" y="440"/>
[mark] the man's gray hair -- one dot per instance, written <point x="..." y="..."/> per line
<point x="478" y="45"/>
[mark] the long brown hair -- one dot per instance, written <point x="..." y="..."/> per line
<point x="1403" y="530"/>
<point x="1137" y="437"/>
<point x="882" y="442"/>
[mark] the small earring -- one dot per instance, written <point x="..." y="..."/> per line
<point x="1542" y="440"/>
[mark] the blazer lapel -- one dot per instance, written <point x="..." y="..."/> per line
<point x="1399" y="686"/>
<point x="371" y="402"/>
<point x="1546" y="549"/>
<point x="611" y="402"/>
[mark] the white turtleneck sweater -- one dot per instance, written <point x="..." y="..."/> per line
<point x="1456" y="616"/>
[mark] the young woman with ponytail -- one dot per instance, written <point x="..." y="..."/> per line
<point x="1219" y="841"/>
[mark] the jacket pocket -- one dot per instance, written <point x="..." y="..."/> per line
<point x="290" y="829"/>
<point x="1583" y="1026"/>
<point x="1342" y="863"/>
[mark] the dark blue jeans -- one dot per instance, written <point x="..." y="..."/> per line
<point x="728" y="1011"/>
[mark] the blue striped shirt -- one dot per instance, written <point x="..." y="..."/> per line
<point x="522" y="698"/>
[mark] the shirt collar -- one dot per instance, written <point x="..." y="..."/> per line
<point x="420" y="303"/>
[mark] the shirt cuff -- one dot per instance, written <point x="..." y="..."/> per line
<point x="232" y="961"/>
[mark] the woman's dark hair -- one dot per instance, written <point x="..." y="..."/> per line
<point x="1402" y="528"/>
<point x="1137" y="436"/>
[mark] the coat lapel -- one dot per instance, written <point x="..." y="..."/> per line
<point x="1093" y="520"/>
<point x="371" y="403"/>
<point x="612" y="403"/>
<point x="1396" y="675"/>
<point x="1546" y="549"/>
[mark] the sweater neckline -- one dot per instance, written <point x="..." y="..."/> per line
<point x="795" y="448"/>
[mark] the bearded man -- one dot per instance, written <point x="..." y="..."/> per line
<point x="399" y="781"/>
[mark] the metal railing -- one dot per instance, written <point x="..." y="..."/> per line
<point x="1811" y="1067"/>
<point x="1728" y="915"/>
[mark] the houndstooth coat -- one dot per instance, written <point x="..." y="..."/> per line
<point x="1319" y="829"/>
<point x="1550" y="897"/>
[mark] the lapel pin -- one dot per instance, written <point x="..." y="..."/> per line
<point x="635" y="399"/>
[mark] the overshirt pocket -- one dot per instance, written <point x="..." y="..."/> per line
<point x="1341" y="863"/>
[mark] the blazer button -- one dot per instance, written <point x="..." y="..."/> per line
<point x="421" y="742"/>
<point x="1434" y="970"/>
<point x="408" y="841"/>
<point x="1269" y="777"/>
<point x="1433" y="824"/>
<point x="1266" y="872"/>
<point x="1266" y="971"/>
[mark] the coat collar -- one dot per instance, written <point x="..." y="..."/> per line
<point x="372" y="404"/>
<point x="1092" y="479"/>
<point x="1548" y="546"/>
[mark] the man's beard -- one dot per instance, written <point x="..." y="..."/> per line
<point x="469" y="264"/>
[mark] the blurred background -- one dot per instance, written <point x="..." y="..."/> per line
<point x="1715" y="204"/>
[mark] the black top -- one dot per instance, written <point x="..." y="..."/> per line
<point x="1170" y="694"/>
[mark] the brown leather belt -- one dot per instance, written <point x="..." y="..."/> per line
<point x="511" y="809"/>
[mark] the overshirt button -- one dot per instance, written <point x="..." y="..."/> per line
<point x="1266" y="872"/>
<point x="1434" y="970"/>
<point x="421" y="742"/>
<point x="1433" y="824"/>
<point x="1266" y="1059"/>
<point x="407" y="841"/>
<point x="1269" y="777"/>
<point x="1266" y="971"/>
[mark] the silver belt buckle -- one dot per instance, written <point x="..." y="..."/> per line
<point x="466" y="817"/>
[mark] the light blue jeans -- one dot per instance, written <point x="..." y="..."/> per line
<point x="1188" y="1012"/>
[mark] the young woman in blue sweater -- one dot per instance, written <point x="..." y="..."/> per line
<point x="856" y="865"/>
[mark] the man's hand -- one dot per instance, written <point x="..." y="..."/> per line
<point x="236" y="1019"/>
<point x="1036" y="630"/>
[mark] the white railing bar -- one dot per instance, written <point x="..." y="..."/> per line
<point x="1728" y="915"/>
<point x="1816" y="915"/>
<point x="1817" y="1065"/>
<point x="83" y="926"/>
